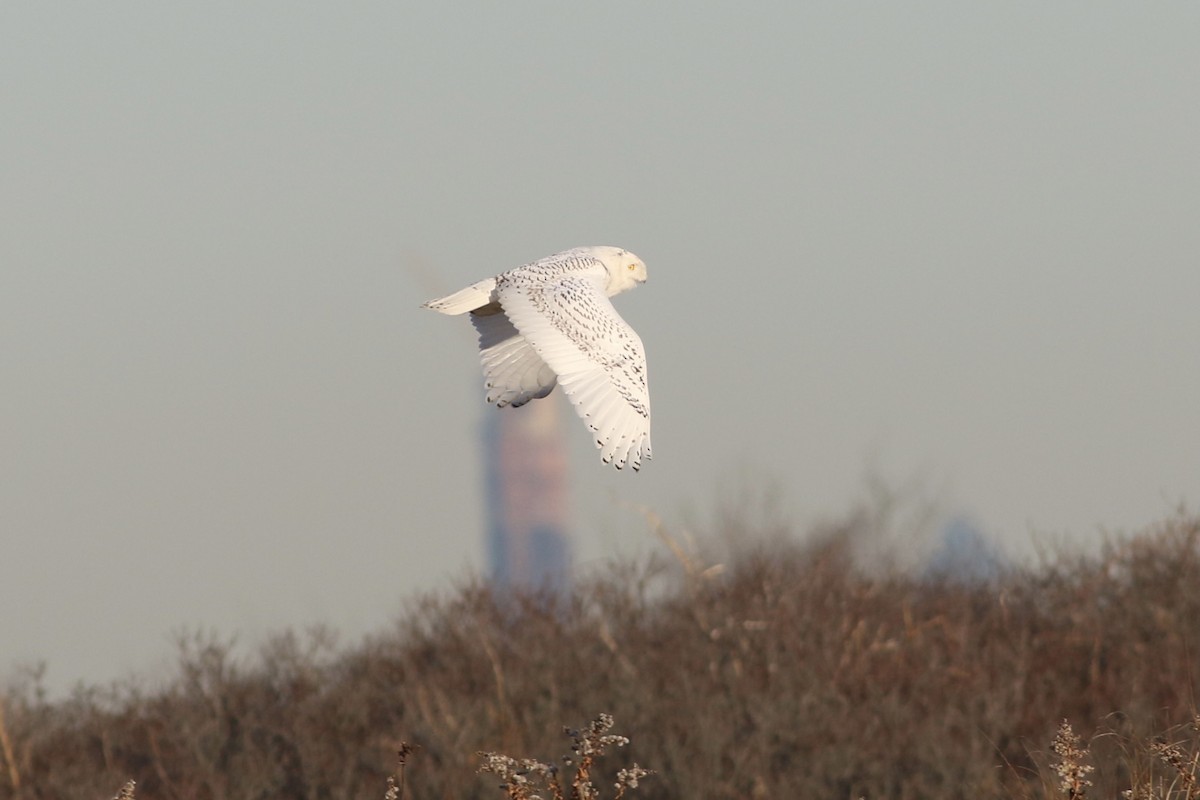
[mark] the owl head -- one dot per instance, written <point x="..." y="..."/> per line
<point x="625" y="270"/>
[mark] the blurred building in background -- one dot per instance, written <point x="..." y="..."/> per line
<point x="964" y="554"/>
<point x="526" y="494"/>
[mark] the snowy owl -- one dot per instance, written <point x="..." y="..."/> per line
<point x="551" y="322"/>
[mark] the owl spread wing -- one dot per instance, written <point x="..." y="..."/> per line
<point x="513" y="372"/>
<point x="572" y="327"/>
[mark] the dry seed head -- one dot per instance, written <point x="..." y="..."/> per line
<point x="1070" y="768"/>
<point x="628" y="778"/>
<point x="1174" y="755"/>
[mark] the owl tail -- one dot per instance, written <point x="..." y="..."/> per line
<point x="474" y="296"/>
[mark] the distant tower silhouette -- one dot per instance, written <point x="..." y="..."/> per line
<point x="526" y="482"/>
<point x="964" y="554"/>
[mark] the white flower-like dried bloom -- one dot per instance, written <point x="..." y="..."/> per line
<point x="528" y="775"/>
<point x="499" y="765"/>
<point x="1171" y="754"/>
<point x="592" y="741"/>
<point x="538" y="767"/>
<point x="1070" y="768"/>
<point x="1174" y="755"/>
<point x="619" y="741"/>
<point x="628" y="778"/>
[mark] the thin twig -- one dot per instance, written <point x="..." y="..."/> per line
<point x="14" y="776"/>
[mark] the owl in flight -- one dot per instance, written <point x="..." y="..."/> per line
<point x="551" y="322"/>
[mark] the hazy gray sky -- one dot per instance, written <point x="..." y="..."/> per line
<point x="944" y="240"/>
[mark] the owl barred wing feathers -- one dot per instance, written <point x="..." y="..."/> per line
<point x="551" y="322"/>
<point x="597" y="357"/>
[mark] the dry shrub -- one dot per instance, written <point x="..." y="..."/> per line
<point x="789" y="673"/>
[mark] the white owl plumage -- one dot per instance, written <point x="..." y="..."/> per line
<point x="551" y="322"/>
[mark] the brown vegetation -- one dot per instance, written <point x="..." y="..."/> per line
<point x="789" y="673"/>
